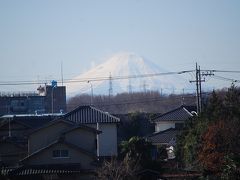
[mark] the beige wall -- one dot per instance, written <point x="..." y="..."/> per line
<point x="46" y="136"/>
<point x="75" y="156"/>
<point x="107" y="139"/>
<point x="82" y="138"/>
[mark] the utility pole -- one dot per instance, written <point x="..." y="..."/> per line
<point x="198" y="82"/>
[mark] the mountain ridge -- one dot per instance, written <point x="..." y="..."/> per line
<point x="124" y="65"/>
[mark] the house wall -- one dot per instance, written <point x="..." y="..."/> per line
<point x="75" y="156"/>
<point x="82" y="138"/>
<point x="10" y="154"/>
<point x="44" y="137"/>
<point x="107" y="139"/>
<point x="161" y="126"/>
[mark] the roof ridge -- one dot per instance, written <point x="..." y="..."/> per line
<point x="83" y="127"/>
<point x="59" y="140"/>
<point x="167" y="112"/>
<point x="51" y="123"/>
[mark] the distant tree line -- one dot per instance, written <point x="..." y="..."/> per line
<point x="150" y="101"/>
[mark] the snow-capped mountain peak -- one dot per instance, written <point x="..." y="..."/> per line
<point x="123" y="65"/>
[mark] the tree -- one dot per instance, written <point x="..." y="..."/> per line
<point x="212" y="140"/>
<point x="213" y="150"/>
<point x="118" y="170"/>
<point x="136" y="148"/>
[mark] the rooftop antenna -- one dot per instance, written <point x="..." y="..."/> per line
<point x="62" y="72"/>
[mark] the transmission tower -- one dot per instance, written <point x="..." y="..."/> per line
<point x="110" y="90"/>
<point x="129" y="86"/>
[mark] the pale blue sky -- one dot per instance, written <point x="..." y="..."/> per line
<point x="36" y="36"/>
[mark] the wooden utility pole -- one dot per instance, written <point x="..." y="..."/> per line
<point x="198" y="82"/>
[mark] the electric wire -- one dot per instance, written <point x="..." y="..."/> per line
<point x="66" y="81"/>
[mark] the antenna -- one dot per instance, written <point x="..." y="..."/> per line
<point x="62" y="72"/>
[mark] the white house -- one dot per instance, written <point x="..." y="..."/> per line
<point x="174" y="118"/>
<point x="168" y="126"/>
<point x="102" y="121"/>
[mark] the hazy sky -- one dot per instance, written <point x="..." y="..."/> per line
<point x="36" y="36"/>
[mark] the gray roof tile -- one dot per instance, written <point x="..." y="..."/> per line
<point x="90" y="115"/>
<point x="180" y="114"/>
<point x="163" y="137"/>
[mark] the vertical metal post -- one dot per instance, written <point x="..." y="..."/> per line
<point x="91" y="92"/>
<point x="197" y="90"/>
<point x="200" y="90"/>
<point x="98" y="151"/>
<point x="9" y="127"/>
<point x="52" y="99"/>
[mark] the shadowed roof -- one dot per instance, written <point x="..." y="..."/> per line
<point x="90" y="115"/>
<point x="180" y="114"/>
<point x="164" y="137"/>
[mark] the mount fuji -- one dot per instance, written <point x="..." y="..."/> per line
<point x="125" y="72"/>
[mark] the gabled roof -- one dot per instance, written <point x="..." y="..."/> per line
<point x="81" y="126"/>
<point x="73" y="124"/>
<point x="180" y="114"/>
<point x="52" y="123"/>
<point x="60" y="141"/>
<point x="90" y="115"/>
<point x="163" y="137"/>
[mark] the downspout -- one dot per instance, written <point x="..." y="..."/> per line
<point x="98" y="151"/>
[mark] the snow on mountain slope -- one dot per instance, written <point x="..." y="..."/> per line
<point x="124" y="65"/>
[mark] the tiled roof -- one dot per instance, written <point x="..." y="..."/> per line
<point x="73" y="124"/>
<point x="81" y="126"/>
<point x="180" y="114"/>
<point x="51" y="123"/>
<point x="45" y="169"/>
<point x="90" y="115"/>
<point x="163" y="137"/>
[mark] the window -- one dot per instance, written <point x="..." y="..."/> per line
<point x="56" y="153"/>
<point x="63" y="153"/>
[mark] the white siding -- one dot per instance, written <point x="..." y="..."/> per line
<point x="161" y="126"/>
<point x="107" y="139"/>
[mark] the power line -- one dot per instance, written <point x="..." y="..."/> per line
<point x="67" y="81"/>
<point x="2" y="83"/>
<point x="223" y="71"/>
<point x="227" y="79"/>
